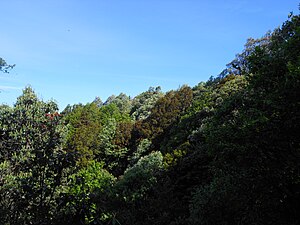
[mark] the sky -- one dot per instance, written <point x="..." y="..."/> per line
<point x="71" y="51"/>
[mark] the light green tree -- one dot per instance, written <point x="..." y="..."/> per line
<point x="144" y="102"/>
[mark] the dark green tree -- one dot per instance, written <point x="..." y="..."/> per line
<point x="83" y="135"/>
<point x="4" y="67"/>
<point x="254" y="141"/>
<point x="33" y="162"/>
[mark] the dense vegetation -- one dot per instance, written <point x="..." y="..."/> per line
<point x="223" y="152"/>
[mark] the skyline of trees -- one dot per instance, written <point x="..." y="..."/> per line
<point x="226" y="151"/>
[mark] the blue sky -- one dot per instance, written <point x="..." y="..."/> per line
<point x="73" y="50"/>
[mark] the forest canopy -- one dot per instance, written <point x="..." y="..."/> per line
<point x="223" y="152"/>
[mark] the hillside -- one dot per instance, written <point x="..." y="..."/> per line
<point x="223" y="152"/>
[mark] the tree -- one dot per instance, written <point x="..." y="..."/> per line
<point x="136" y="186"/>
<point x="144" y="102"/>
<point x="33" y="162"/>
<point x="87" y="194"/>
<point x="98" y="102"/>
<point x="240" y="64"/>
<point x="83" y="135"/>
<point x="165" y="112"/>
<point x="4" y="67"/>
<point x="254" y="141"/>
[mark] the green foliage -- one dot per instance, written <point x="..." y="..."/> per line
<point x="114" y="140"/>
<point x="112" y="111"/>
<point x="98" y="102"/>
<point x="134" y="188"/>
<point x="224" y="152"/>
<point x="177" y="143"/>
<point x="206" y="208"/>
<point x="33" y="162"/>
<point x="8" y="192"/>
<point x="109" y="152"/>
<point x="255" y="144"/>
<point x="84" y="127"/>
<point x="89" y="179"/>
<point x="99" y="133"/>
<point x="164" y="114"/>
<point x="173" y="157"/>
<point x="142" y="148"/>
<point x="4" y="67"/>
<point x="87" y="194"/>
<point x="140" y="178"/>
<point x="123" y="102"/>
<point x="144" y="102"/>
<point x="240" y="65"/>
<point x="122" y="142"/>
